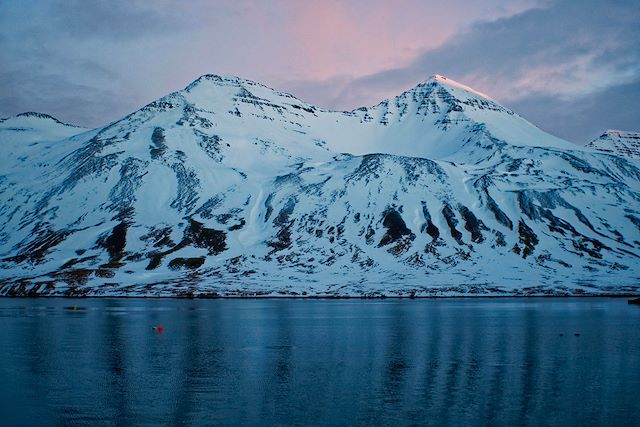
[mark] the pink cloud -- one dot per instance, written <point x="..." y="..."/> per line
<point x="355" y="38"/>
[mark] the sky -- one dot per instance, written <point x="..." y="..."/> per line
<point x="572" y="67"/>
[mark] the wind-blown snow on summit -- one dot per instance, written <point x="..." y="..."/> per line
<point x="231" y="188"/>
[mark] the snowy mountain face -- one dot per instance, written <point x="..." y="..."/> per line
<point x="229" y="188"/>
<point x="618" y="142"/>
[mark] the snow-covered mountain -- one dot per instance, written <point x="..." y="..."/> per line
<point x="29" y="127"/>
<point x="231" y="188"/>
<point x="618" y="142"/>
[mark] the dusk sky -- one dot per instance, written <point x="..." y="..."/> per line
<point x="571" y="67"/>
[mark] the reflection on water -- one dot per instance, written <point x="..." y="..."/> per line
<point x="427" y="362"/>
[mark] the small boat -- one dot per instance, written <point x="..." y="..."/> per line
<point x="634" y="301"/>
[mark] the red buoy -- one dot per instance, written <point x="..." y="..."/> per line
<point x="158" y="328"/>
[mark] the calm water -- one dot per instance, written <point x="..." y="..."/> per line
<point x="320" y="362"/>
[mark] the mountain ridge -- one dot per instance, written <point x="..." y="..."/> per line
<point x="38" y="115"/>
<point x="619" y="142"/>
<point x="231" y="188"/>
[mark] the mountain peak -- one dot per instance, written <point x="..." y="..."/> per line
<point x="618" y="142"/>
<point x="457" y="86"/>
<point x="29" y="127"/>
<point x="43" y="116"/>
<point x="621" y="133"/>
<point x="220" y="80"/>
<point x="224" y="80"/>
<point x="36" y="114"/>
<point x="215" y="85"/>
<point x="29" y="118"/>
<point x="440" y="104"/>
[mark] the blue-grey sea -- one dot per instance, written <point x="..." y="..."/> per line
<point x="527" y="361"/>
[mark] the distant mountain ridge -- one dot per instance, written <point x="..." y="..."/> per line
<point x="230" y="188"/>
<point x="618" y="142"/>
<point x="32" y="126"/>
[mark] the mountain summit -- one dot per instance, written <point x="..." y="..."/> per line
<point x="229" y="187"/>
<point x="445" y="81"/>
<point x="618" y="142"/>
<point x="31" y="126"/>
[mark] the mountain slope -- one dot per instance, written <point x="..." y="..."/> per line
<point x="231" y="188"/>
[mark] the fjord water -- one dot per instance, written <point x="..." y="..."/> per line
<point x="319" y="362"/>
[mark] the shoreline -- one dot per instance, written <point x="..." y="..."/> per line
<point x="321" y="297"/>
